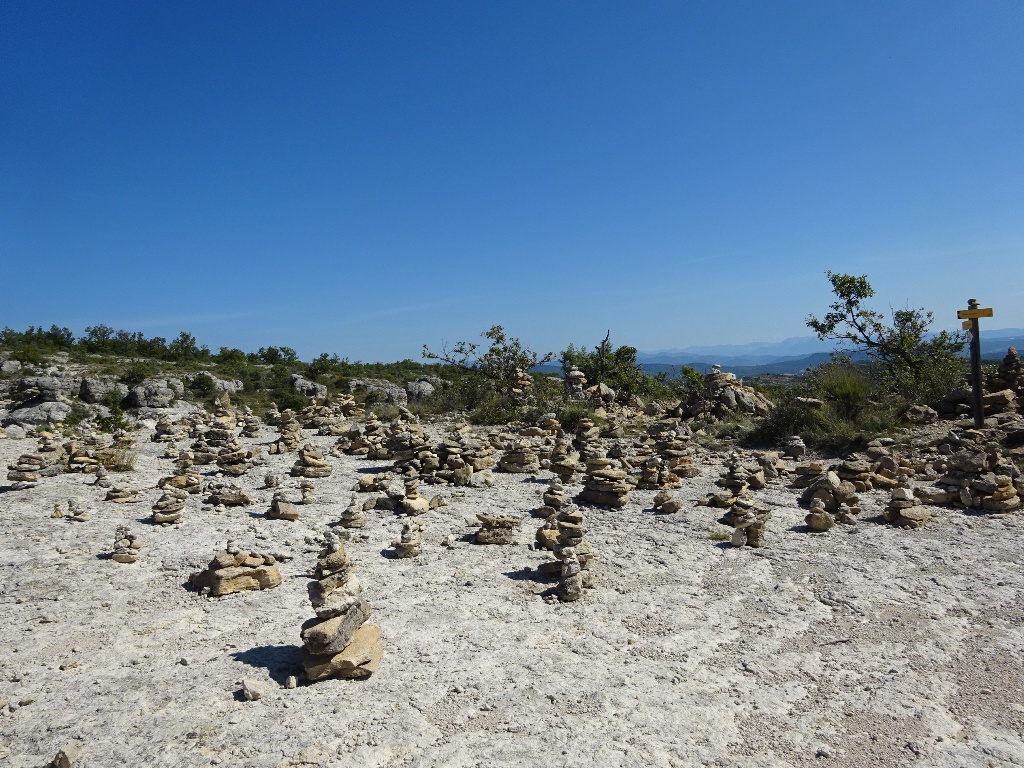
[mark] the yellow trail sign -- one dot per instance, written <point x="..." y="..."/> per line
<point x="967" y="314"/>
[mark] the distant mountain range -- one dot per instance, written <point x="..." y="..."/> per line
<point x="789" y="356"/>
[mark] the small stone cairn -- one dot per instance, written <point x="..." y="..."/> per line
<point x="665" y="502"/>
<point x="575" y="558"/>
<point x="233" y="459"/>
<point x="740" y="477"/>
<point x="496" y="529"/>
<point x="575" y="384"/>
<point x="408" y="545"/>
<point x="749" y="518"/>
<point x="236" y="570"/>
<point x="819" y="519"/>
<point x="604" y="485"/>
<point x="183" y="479"/>
<point x="354" y="516"/>
<point x="78" y="512"/>
<point x="521" y="458"/>
<point x="281" y="507"/>
<point x="310" y="463"/>
<point x="169" y="506"/>
<point x="564" y="461"/>
<point x="290" y="433"/>
<point x="904" y="510"/>
<point x="226" y="493"/>
<point x="126" y="545"/>
<point x="588" y="439"/>
<point x="166" y="431"/>
<point x="837" y="496"/>
<point x="338" y="642"/>
<point x="1010" y="375"/>
<point x="977" y="476"/>
<point x="124" y="494"/>
<point x="413" y="503"/>
<point x="201" y="452"/>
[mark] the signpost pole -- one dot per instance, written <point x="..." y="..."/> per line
<point x="971" y="315"/>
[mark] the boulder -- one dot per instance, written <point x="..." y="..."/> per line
<point x="94" y="389"/>
<point x="44" y="413"/>
<point x="308" y="388"/>
<point x="384" y="390"/>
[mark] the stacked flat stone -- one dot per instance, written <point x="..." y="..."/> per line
<point x="412" y="502"/>
<point x="250" y="424"/>
<point x="226" y="493"/>
<point x="354" y="516"/>
<point x="665" y="502"/>
<point x="237" y="570"/>
<point x="408" y="545"/>
<point x="224" y="413"/>
<point x="806" y="473"/>
<point x="739" y="478"/>
<point x="723" y="395"/>
<point x="655" y="475"/>
<point x="201" y="453"/>
<point x="478" y="453"/>
<point x="310" y="463"/>
<point x="904" y="510"/>
<point x="308" y="491"/>
<point x="588" y="439"/>
<point x="290" y="433"/>
<point x="604" y="485"/>
<point x="219" y="436"/>
<point x="1010" y="375"/>
<point x="282" y="508"/>
<point x="794" y="447"/>
<point x="126" y="545"/>
<point x="564" y="461"/>
<point x="575" y="384"/>
<point x="166" y="431"/>
<point x="338" y="642"/>
<point x="859" y="471"/>
<point x="496" y="529"/>
<point x="819" y="519"/>
<point x="575" y="558"/>
<point x="749" y="518"/>
<point x="772" y="466"/>
<point x="233" y="459"/>
<point x="453" y="466"/>
<point x="839" y="497"/>
<point x="124" y="494"/>
<point x="273" y="416"/>
<point x="183" y="479"/>
<point x="78" y="512"/>
<point x="82" y="458"/>
<point x="168" y="507"/>
<point x="521" y="458"/>
<point x="980" y="477"/>
<point x="26" y="471"/>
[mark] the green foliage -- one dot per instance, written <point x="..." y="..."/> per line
<point x="843" y="385"/>
<point x="202" y="387"/>
<point x="907" y="363"/>
<point x="617" y="367"/>
<point x="136" y="372"/>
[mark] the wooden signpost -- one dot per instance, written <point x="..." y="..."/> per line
<point x="970" y="317"/>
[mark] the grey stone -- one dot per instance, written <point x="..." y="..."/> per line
<point x="44" y="413"/>
<point x="387" y="390"/>
<point x="419" y="389"/>
<point x="151" y="395"/>
<point x="308" y="388"/>
<point x="94" y="389"/>
<point x="232" y="387"/>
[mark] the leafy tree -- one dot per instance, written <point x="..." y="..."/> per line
<point x="618" y="368"/>
<point x="907" y="361"/>
<point x="500" y="363"/>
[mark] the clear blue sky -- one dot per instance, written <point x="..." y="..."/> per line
<point x="366" y="177"/>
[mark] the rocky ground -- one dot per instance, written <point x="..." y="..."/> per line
<point x="863" y="646"/>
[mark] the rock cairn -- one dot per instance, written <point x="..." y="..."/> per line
<point x="310" y="463"/>
<point x="226" y="493"/>
<point x="338" y="642"/>
<point x="201" y="452"/>
<point x="794" y="447"/>
<point x="604" y="485"/>
<point x="290" y="433"/>
<point x="721" y="396"/>
<point x="169" y="506"/>
<point x="521" y="458"/>
<point x="78" y="512"/>
<point x="124" y="494"/>
<point x="496" y="529"/>
<point x="575" y="384"/>
<point x="184" y="479"/>
<point x="251" y="424"/>
<point x="27" y="470"/>
<point x="167" y="431"/>
<point x="564" y="461"/>
<point x="655" y="475"/>
<point x="749" y="518"/>
<point x="978" y="476"/>
<point x="838" y="497"/>
<point x="353" y="516"/>
<point x="126" y="545"/>
<point x="1010" y="375"/>
<point x="904" y="510"/>
<point x="818" y="519"/>
<point x="236" y="570"/>
<point x="412" y="502"/>
<point x="740" y="477"/>
<point x="588" y="439"/>
<point x="233" y="459"/>
<point x="665" y="502"/>
<point x="281" y="507"/>
<point x="575" y="558"/>
<point x="408" y="545"/>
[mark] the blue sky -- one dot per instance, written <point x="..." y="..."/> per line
<point x="363" y="178"/>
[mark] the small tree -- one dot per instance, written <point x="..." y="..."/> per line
<point x="501" y="362"/>
<point x="907" y="361"/>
